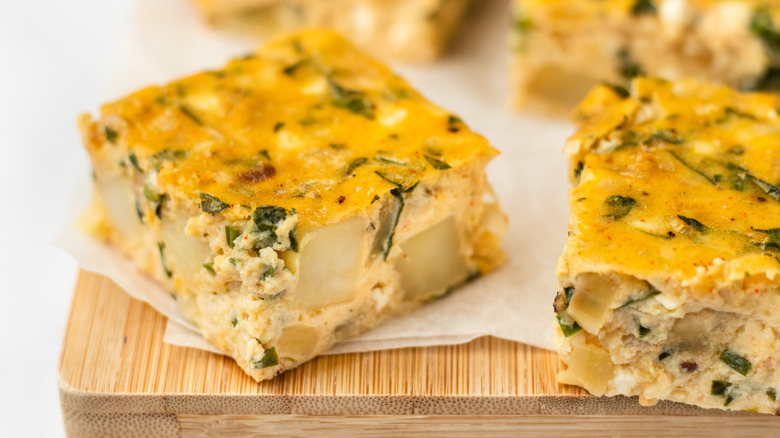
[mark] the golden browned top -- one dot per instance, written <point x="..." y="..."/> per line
<point x="672" y="176"/>
<point x="307" y="122"/>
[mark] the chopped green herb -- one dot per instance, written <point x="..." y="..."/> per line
<point x="686" y="164"/>
<point x="268" y="271"/>
<point x="232" y="261"/>
<point x="619" y="90"/>
<point x="351" y="100"/>
<point x="568" y="291"/>
<point x="110" y="135"/>
<point x="578" y="169"/>
<point x="647" y="295"/>
<point x="210" y="267"/>
<point x="693" y="223"/>
<point x="772" y="394"/>
<point x="736" y="362"/>
<point x="231" y="234"/>
<point x="158" y="209"/>
<point x="150" y="194"/>
<point x="771" y="190"/>
<point x="567" y="328"/>
<point x="294" y="245"/>
<point x="667" y="136"/>
<point x="628" y="67"/>
<point x="211" y="204"/>
<point x="308" y="120"/>
<point x="138" y="211"/>
<point x="641" y="330"/>
<point x="278" y="126"/>
<point x="134" y="161"/>
<point x="375" y="198"/>
<point x="731" y="111"/>
<point x="234" y="321"/>
<point x="521" y="23"/>
<point x="719" y="387"/>
<point x="762" y="25"/>
<point x="729" y="399"/>
<point x="337" y="146"/>
<point x="384" y="159"/>
<point x="161" y="247"/>
<point x="398" y="208"/>
<point x="437" y="163"/>
<point x="643" y="7"/>
<point x="357" y="162"/>
<point x="269" y="359"/>
<point x="187" y="112"/>
<point x="618" y="206"/>
<point x="264" y="153"/>
<point x="664" y="355"/>
<point x="290" y="69"/>
<point x="453" y="120"/>
<point x="737" y="149"/>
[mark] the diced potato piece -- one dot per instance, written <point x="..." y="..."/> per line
<point x="184" y="254"/>
<point x="331" y="263"/>
<point x="119" y="200"/>
<point x="298" y="341"/>
<point x="592" y="367"/>
<point x="431" y="261"/>
<point x="595" y="295"/>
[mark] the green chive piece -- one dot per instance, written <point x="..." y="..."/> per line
<point x="641" y="330"/>
<point x="437" y="163"/>
<point x="211" y="204"/>
<point x="151" y="194"/>
<point x="567" y="329"/>
<point x="736" y="362"/>
<point x="134" y="161"/>
<point x="618" y="206"/>
<point x="210" y="267"/>
<point x="161" y="247"/>
<point x="719" y="387"/>
<point x="269" y="359"/>
<point x="568" y="292"/>
<point x="693" y="223"/>
<point x="278" y="126"/>
<point x="643" y="7"/>
<point x="187" y="112"/>
<point x="110" y="135"/>
<point x="772" y="394"/>
<point x="357" y="162"/>
<point x="231" y="234"/>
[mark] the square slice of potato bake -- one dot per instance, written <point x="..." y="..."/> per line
<point x="412" y="30"/>
<point x="670" y="280"/>
<point x="296" y="197"/>
<point x="563" y="48"/>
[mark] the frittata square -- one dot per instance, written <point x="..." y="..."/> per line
<point x="670" y="279"/>
<point x="412" y="30"/>
<point x="561" y="49"/>
<point x="294" y="198"/>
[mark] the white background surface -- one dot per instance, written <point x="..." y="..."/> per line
<point x="54" y="55"/>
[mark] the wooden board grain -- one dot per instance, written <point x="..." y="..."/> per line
<point x="117" y="378"/>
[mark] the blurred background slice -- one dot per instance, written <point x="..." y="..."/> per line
<point x="408" y="30"/>
<point x="561" y="48"/>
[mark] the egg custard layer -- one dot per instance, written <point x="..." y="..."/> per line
<point x="562" y="48"/>
<point x="294" y="198"/>
<point x="670" y="279"/>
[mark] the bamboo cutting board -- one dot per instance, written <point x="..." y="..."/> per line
<point x="117" y="378"/>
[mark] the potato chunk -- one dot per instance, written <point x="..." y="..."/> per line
<point x="331" y="263"/>
<point x="432" y="260"/>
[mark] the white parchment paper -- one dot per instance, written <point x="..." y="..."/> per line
<point x="164" y="40"/>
